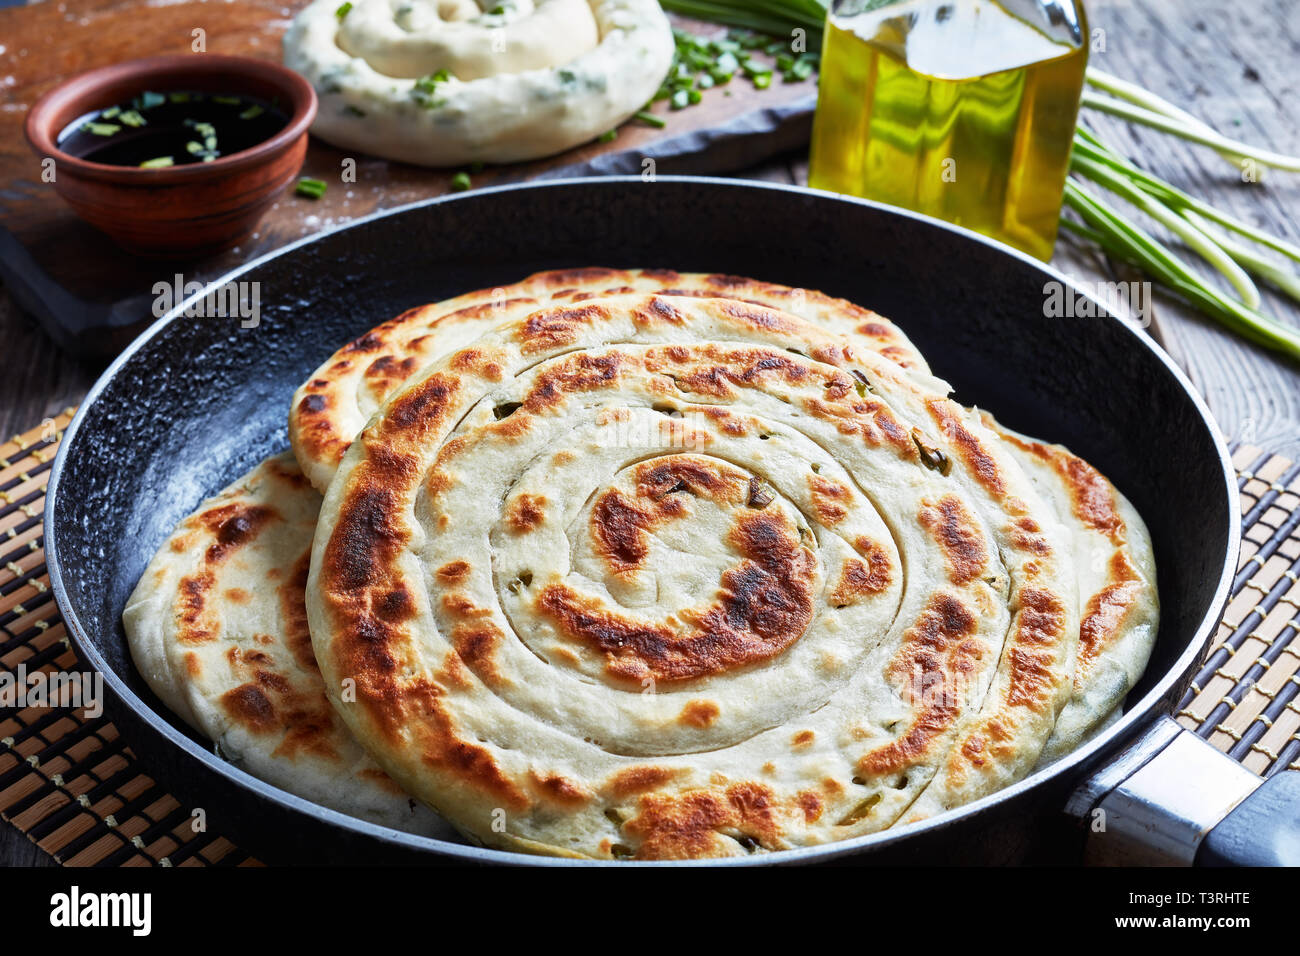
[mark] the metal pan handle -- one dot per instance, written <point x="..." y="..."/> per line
<point x="1172" y="799"/>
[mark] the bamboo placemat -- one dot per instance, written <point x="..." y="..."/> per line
<point x="67" y="781"/>
<point x="77" y="791"/>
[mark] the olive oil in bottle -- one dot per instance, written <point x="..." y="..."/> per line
<point x="959" y="109"/>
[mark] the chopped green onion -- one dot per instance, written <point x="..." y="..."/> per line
<point x="101" y="129"/>
<point x="425" y="87"/>
<point x="132" y="118"/>
<point x="343" y="10"/>
<point x="157" y="163"/>
<point x="148" y="100"/>
<point x="252" y="112"/>
<point x="658" y="122"/>
<point x="310" y="188"/>
<point x="461" y="182"/>
<point x="609" y="136"/>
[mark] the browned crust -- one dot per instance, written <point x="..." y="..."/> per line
<point x="1092" y="497"/>
<point x="1106" y="612"/>
<point x="700" y="714"/>
<point x="954" y="530"/>
<point x="640" y="779"/>
<point x="686" y="826"/>
<point x="358" y="568"/>
<point x="980" y="463"/>
<point x="526" y="512"/>
<point x="932" y="671"/>
<point x="1033" y="655"/>
<point x="861" y="579"/>
<point x="619" y="526"/>
<point x="763" y="606"/>
<point x="293" y="609"/>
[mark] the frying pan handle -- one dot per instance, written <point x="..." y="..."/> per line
<point x="1173" y="799"/>
<point x="1263" y="830"/>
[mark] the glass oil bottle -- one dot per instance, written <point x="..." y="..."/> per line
<point x="959" y="109"/>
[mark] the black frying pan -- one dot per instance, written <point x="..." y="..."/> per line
<point x="195" y="402"/>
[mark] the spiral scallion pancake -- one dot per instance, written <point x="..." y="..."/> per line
<point x="218" y="628"/>
<point x="670" y="577"/>
<point x="1114" y="563"/>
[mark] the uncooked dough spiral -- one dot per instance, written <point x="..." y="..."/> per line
<point x="447" y="82"/>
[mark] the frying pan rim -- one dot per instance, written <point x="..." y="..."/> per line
<point x="1078" y="759"/>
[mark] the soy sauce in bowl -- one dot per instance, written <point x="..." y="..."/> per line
<point x="158" y="130"/>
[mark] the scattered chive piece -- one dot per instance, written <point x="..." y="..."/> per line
<point x="132" y="118"/>
<point x="310" y="188"/>
<point x="179" y="97"/>
<point x="148" y="100"/>
<point x="252" y="112"/>
<point x="609" y="136"/>
<point x="101" y="129"/>
<point x="425" y="87"/>
<point x="701" y="63"/>
<point x="157" y="163"/>
<point x="110" y="112"/>
<point x="658" y="122"/>
<point x="227" y="100"/>
<point x="461" y="182"/>
<point x="193" y="147"/>
<point x="343" y="10"/>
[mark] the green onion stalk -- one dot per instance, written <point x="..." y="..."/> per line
<point x="1238" y="251"/>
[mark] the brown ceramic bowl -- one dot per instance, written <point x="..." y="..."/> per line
<point x="178" y="211"/>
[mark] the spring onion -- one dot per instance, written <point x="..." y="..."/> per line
<point x="310" y="188"/>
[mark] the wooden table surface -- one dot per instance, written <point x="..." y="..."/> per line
<point x="1236" y="65"/>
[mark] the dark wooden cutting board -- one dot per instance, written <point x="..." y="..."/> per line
<point x="733" y="127"/>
